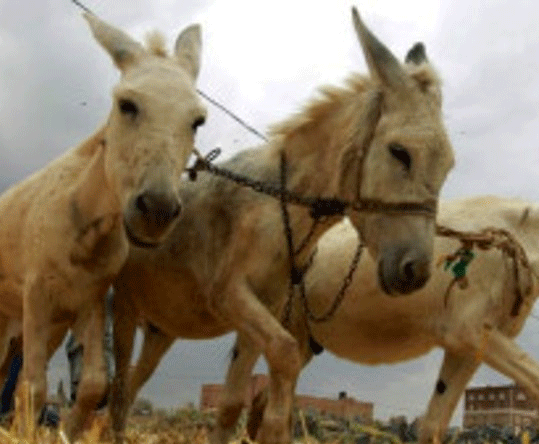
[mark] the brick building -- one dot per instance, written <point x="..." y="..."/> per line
<point x="506" y="405"/>
<point x="341" y="407"/>
<point x="210" y="394"/>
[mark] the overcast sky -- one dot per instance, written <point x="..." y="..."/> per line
<point x="263" y="60"/>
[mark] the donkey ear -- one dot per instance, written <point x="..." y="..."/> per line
<point x="123" y="49"/>
<point x="381" y="62"/>
<point x="417" y="54"/>
<point x="188" y="49"/>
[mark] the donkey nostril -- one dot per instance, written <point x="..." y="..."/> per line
<point x="408" y="271"/>
<point x="142" y="203"/>
<point x="176" y="211"/>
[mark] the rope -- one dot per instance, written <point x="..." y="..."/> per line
<point x="485" y="239"/>
<point x="81" y="6"/>
<point x="232" y="115"/>
<point x="201" y="93"/>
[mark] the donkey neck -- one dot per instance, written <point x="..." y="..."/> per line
<point x="311" y="166"/>
<point x="313" y="145"/>
<point x="92" y="197"/>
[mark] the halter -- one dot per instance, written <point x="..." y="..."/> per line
<point x="320" y="206"/>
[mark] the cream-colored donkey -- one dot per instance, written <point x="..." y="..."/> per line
<point x="225" y="267"/>
<point x="474" y="324"/>
<point x="66" y="230"/>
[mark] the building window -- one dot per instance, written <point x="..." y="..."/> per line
<point x="491" y="396"/>
<point x="470" y="397"/>
<point x="480" y="397"/>
<point x="521" y="396"/>
<point x="502" y="395"/>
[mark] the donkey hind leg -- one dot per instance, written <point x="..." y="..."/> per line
<point x="124" y="336"/>
<point x="93" y="382"/>
<point x="155" y="345"/>
<point x="252" y="319"/>
<point x="455" y="373"/>
<point x="504" y="355"/>
<point x="235" y="393"/>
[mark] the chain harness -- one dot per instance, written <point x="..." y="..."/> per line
<point x="320" y="210"/>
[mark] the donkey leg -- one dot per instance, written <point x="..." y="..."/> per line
<point x="36" y="331"/>
<point x="11" y="343"/>
<point x="93" y="382"/>
<point x="9" y="374"/>
<point x="251" y="318"/>
<point x="505" y="356"/>
<point x="455" y="373"/>
<point x="124" y="335"/>
<point x="155" y="346"/>
<point x="16" y="352"/>
<point x="299" y="330"/>
<point x="234" y="396"/>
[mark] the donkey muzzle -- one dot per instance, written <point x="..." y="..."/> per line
<point x="150" y="216"/>
<point x="402" y="270"/>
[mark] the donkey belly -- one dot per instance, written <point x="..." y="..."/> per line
<point x="186" y="323"/>
<point x="367" y="343"/>
<point x="171" y="301"/>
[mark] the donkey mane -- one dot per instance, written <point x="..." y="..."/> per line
<point x="329" y="98"/>
<point x="332" y="97"/>
<point x="428" y="79"/>
<point x="156" y="44"/>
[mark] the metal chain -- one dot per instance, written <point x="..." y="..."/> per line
<point x="308" y="236"/>
<point x="340" y="295"/>
<point x="296" y="274"/>
<point x="319" y="206"/>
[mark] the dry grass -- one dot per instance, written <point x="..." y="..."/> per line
<point x="156" y="429"/>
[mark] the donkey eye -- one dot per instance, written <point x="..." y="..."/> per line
<point x="128" y="108"/>
<point x="198" y="122"/>
<point x="401" y="154"/>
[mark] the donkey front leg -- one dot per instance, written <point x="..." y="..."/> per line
<point x="298" y="327"/>
<point x="93" y="382"/>
<point x="124" y="336"/>
<point x="36" y="332"/>
<point x="252" y="319"/>
<point x="455" y="373"/>
<point x="505" y="356"/>
<point x="244" y="357"/>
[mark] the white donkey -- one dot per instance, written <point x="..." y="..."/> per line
<point x="226" y="265"/>
<point x="473" y="322"/>
<point x="66" y="230"/>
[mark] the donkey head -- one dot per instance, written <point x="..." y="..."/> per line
<point x="404" y="156"/>
<point x="151" y="129"/>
